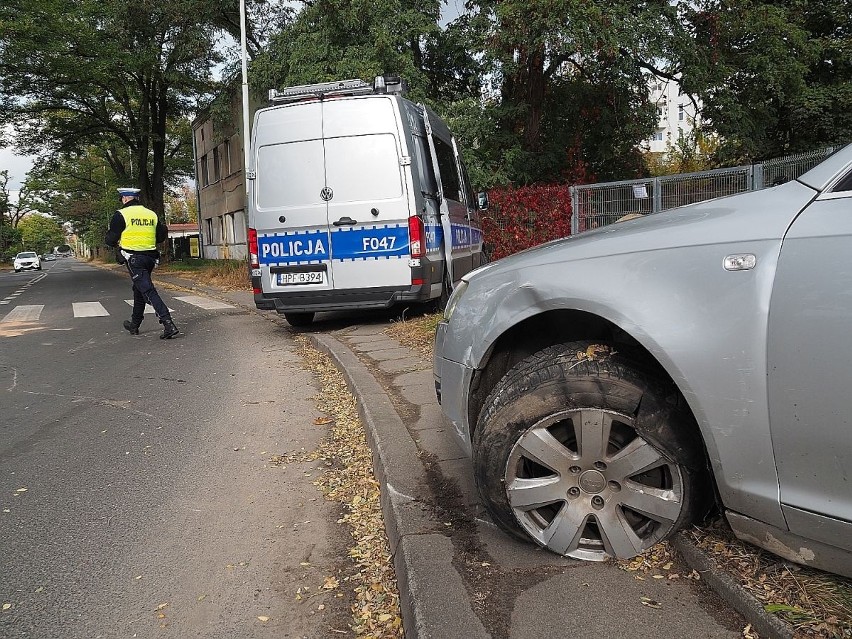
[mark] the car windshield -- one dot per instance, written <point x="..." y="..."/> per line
<point x="24" y="255"/>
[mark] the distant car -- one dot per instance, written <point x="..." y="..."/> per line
<point x="49" y="257"/>
<point x="27" y="260"/>
<point x="608" y="385"/>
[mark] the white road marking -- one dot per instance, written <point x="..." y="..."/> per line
<point x="24" y="313"/>
<point x="203" y="302"/>
<point x="149" y="310"/>
<point x="89" y="309"/>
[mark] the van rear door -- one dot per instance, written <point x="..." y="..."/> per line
<point x="367" y="190"/>
<point x="294" y="246"/>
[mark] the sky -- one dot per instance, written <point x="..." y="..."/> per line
<point x="17" y="165"/>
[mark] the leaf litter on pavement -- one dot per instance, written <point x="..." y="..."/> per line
<point x="816" y="604"/>
<point x="347" y="478"/>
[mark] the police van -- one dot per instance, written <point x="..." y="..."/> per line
<point x="357" y="199"/>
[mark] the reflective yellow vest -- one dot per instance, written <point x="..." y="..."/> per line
<point x="140" y="229"/>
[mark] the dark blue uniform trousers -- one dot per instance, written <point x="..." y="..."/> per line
<point x="140" y="267"/>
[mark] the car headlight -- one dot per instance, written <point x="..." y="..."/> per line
<point x="456" y="295"/>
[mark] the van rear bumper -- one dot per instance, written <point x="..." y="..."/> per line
<point x="361" y="298"/>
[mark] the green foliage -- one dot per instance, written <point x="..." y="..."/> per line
<point x="116" y="76"/>
<point x="774" y="77"/>
<point x="691" y="152"/>
<point x="40" y="234"/>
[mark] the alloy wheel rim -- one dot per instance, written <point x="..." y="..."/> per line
<point x="585" y="484"/>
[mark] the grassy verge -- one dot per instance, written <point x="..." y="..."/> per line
<point x="232" y="275"/>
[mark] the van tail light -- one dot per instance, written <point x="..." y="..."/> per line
<point x="416" y="237"/>
<point x="416" y="245"/>
<point x="253" y="252"/>
<point x="252" y="239"/>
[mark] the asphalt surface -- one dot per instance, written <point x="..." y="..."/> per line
<point x="138" y="496"/>
<point x="460" y="576"/>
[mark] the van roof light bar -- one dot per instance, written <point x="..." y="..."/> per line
<point x="320" y="90"/>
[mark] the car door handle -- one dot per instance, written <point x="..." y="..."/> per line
<point x="345" y="221"/>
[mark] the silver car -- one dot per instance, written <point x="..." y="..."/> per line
<point x="610" y="385"/>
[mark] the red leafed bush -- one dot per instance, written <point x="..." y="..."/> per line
<point x="518" y="218"/>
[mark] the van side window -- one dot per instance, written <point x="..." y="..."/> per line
<point x="449" y="172"/>
<point x="844" y="185"/>
<point x="424" y="167"/>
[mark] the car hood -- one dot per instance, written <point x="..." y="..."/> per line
<point x="756" y="215"/>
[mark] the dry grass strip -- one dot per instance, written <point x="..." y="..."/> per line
<point x="348" y="479"/>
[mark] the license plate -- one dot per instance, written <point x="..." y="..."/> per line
<point x="294" y="279"/>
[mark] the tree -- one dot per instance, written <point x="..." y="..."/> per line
<point x="775" y="77"/>
<point x="182" y="206"/>
<point x="335" y="39"/>
<point x="40" y="234"/>
<point x="116" y="77"/>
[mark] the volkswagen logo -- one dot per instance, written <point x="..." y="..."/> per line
<point x="326" y="194"/>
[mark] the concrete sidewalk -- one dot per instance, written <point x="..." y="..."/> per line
<point x="460" y="576"/>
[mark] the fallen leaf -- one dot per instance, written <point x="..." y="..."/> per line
<point x="322" y="421"/>
<point x="162" y="605"/>
<point x="21" y="490"/>
<point x="650" y="603"/>
<point x="6" y="606"/>
<point x="263" y="618"/>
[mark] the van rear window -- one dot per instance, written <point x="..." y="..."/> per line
<point x="289" y="175"/>
<point x="362" y="168"/>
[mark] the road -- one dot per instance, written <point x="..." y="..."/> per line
<point x="137" y="497"/>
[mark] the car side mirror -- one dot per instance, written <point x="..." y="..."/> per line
<point x="482" y="200"/>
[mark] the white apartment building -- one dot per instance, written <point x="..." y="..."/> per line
<point x="676" y="114"/>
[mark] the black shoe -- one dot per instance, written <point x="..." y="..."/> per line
<point x="131" y="328"/>
<point x="169" y="329"/>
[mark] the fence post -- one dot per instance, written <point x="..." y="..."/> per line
<point x="657" y="206"/>
<point x="575" y="210"/>
<point x="757" y="177"/>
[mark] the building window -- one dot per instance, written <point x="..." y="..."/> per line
<point x="203" y="177"/>
<point x="680" y="113"/>
<point x="226" y="158"/>
<point x="658" y="136"/>
<point x="228" y="221"/>
<point x="217" y="168"/>
<point x="209" y="230"/>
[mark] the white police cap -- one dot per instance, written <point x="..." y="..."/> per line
<point x="128" y="192"/>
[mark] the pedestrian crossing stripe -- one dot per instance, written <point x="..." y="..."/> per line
<point x="32" y="312"/>
<point x="203" y="302"/>
<point x="89" y="309"/>
<point x="149" y="310"/>
<point x="24" y="313"/>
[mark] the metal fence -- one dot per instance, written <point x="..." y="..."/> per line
<point x="600" y="204"/>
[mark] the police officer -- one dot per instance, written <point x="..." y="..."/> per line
<point x="136" y="231"/>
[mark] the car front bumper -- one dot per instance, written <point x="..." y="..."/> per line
<point x="452" y="386"/>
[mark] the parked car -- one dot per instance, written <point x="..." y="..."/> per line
<point x="27" y="260"/>
<point x="608" y="385"/>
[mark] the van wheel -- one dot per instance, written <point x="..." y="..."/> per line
<point x="299" y="319"/>
<point x="588" y="453"/>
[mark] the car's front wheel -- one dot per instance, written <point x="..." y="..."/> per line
<point x="588" y="454"/>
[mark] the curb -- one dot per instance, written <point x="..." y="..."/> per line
<point x="422" y="558"/>
<point x="766" y="624"/>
